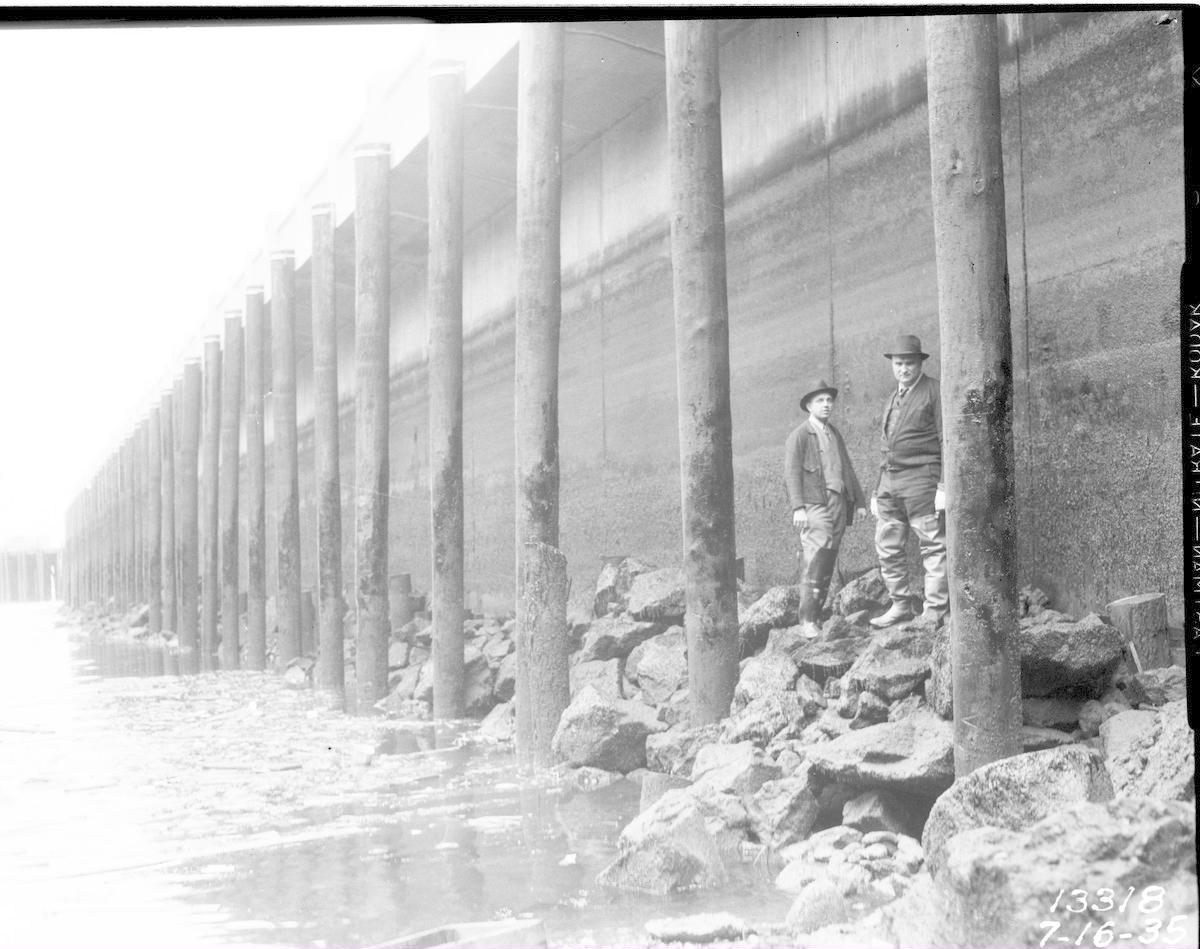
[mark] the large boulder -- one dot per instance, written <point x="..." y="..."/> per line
<point x="614" y="637"/>
<point x="824" y="660"/>
<point x="685" y="840"/>
<point x="1013" y="793"/>
<point x="604" y="733"/>
<point x="659" y="665"/>
<point x="1069" y="658"/>
<point x="500" y="724"/>
<point x="603" y="675"/>
<point x="785" y="809"/>
<point x="894" y="664"/>
<point x="1001" y="887"/>
<point x="867" y="592"/>
<point x="763" y="675"/>
<point x="735" y="769"/>
<point x="1157" y="687"/>
<point x="612" y="586"/>
<point x="674" y="751"/>
<point x="914" y="755"/>
<point x="819" y="904"/>
<point x="775" y="609"/>
<point x="479" y="682"/>
<point x="658" y="596"/>
<point x="1151" y="753"/>
<point x="765" y="717"/>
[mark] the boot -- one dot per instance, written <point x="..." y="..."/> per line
<point x="897" y="613"/>
<point x="808" y="612"/>
<point x="826" y="560"/>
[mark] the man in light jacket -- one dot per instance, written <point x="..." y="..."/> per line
<point x="825" y="494"/>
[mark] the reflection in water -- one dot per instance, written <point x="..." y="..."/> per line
<point x="454" y="833"/>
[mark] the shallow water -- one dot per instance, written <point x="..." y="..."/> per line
<point x="224" y="809"/>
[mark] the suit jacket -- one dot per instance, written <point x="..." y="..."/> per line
<point x="916" y="434"/>
<point x="805" y="477"/>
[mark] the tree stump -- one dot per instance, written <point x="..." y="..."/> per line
<point x="1142" y="620"/>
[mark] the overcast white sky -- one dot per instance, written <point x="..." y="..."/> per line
<point x="142" y="169"/>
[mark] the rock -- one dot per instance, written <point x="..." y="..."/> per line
<point x="785" y="809"/>
<point x="1157" y="687"/>
<point x="939" y="687"/>
<point x="680" y="842"/>
<point x="762" y="675"/>
<point x="1014" y="793"/>
<point x="858" y="619"/>
<point x="479" y="683"/>
<point x="821" y="660"/>
<point x="407" y="708"/>
<point x="612" y="586"/>
<point x="764" y="718"/>
<point x="658" y="596"/>
<point x="810" y="696"/>
<point x="701" y="928"/>
<point x="876" y="811"/>
<point x="894" y="664"/>
<point x="1151" y="753"/>
<point x="296" y="678"/>
<point x="735" y="769"/>
<point x="593" y="779"/>
<point x="1059" y="658"/>
<point x="828" y="726"/>
<point x="998" y="885"/>
<point x="1039" y="739"/>
<point x="871" y="710"/>
<point x="495" y="647"/>
<point x="397" y="655"/>
<point x="603" y="675"/>
<point x="906" y="707"/>
<point x="604" y="733"/>
<point x="914" y="755"/>
<point x="1031" y="601"/>
<point x="674" y="751"/>
<point x="819" y="904"/>
<point x="614" y="637"/>
<point x="1051" y="713"/>
<point x="500" y="724"/>
<point x="822" y="856"/>
<point x="1091" y="715"/>
<point x="775" y="609"/>
<point x="140" y="616"/>
<point x="837" y="627"/>
<point x="505" y="685"/>
<point x="866" y="592"/>
<point x="424" y="688"/>
<point x="674" y="710"/>
<point x="655" y="784"/>
<point x="661" y="668"/>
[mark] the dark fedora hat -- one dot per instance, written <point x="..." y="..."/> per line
<point x="816" y="388"/>
<point x="907" y="346"/>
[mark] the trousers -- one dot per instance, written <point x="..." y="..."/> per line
<point x="905" y="501"/>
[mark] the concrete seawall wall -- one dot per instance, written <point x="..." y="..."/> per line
<point x="830" y="255"/>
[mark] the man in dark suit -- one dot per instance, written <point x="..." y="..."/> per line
<point x="909" y="494"/>
<point x="824" y="492"/>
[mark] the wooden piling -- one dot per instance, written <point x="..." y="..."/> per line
<point x="1142" y="620"/>
<point x="188" y="519"/>
<point x="227" y="490"/>
<point x="154" y="520"/>
<point x="702" y="364"/>
<point x="287" y="469"/>
<point x="330" y="671"/>
<point x="963" y="76"/>
<point x="166" y="451"/>
<point x="372" y="286"/>
<point x="256" y="481"/>
<point x="445" y="182"/>
<point x="209" y="521"/>
<point x="128" y="560"/>
<point x="137" y="514"/>
<point x="538" y="322"/>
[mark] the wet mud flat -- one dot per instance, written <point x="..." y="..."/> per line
<point x="229" y="809"/>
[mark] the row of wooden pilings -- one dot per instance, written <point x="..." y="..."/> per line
<point x="135" y="533"/>
<point x="27" y="575"/>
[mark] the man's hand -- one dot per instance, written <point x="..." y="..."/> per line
<point x="800" y="517"/>
<point x="939" y="499"/>
<point x="860" y="512"/>
<point x="874" y="506"/>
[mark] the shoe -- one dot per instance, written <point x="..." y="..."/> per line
<point x="897" y="612"/>
<point x="810" y="630"/>
<point x="934" y="617"/>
